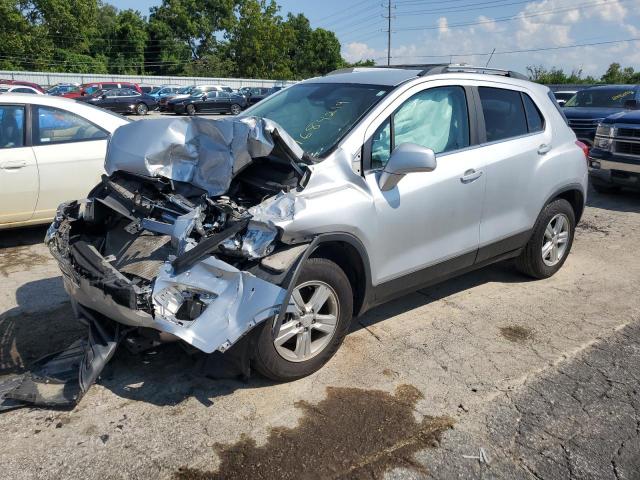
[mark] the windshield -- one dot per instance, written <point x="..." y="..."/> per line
<point x="602" y="98"/>
<point x="155" y="90"/>
<point x="196" y="92"/>
<point x="319" y="115"/>
<point x="185" y="90"/>
<point x="4" y="89"/>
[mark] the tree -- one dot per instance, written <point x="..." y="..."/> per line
<point x="259" y="41"/>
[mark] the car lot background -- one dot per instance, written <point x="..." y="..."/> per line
<point x="542" y="375"/>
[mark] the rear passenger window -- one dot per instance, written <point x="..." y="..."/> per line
<point x="504" y="115"/>
<point x="535" y="120"/>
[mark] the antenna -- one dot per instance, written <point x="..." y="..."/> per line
<point x="490" y="56"/>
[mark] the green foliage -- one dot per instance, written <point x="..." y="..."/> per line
<point x="556" y="76"/>
<point x="247" y="38"/>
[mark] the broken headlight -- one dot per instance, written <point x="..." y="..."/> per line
<point x="181" y="304"/>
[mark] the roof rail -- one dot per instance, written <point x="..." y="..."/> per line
<point x="435" y="68"/>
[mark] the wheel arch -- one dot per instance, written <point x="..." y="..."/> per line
<point x="572" y="194"/>
<point x="348" y="252"/>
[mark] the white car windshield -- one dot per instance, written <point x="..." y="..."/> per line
<point x="319" y="115"/>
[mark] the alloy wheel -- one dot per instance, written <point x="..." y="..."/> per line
<point x="142" y="109"/>
<point x="306" y="333"/>
<point x="556" y="240"/>
<point x="235" y="109"/>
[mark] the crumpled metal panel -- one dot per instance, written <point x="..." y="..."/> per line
<point x="239" y="301"/>
<point x="206" y="153"/>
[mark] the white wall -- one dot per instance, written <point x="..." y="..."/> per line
<point x="47" y="79"/>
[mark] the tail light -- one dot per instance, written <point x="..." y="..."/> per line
<point x="585" y="149"/>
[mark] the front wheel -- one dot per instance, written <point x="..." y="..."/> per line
<point x="550" y="242"/>
<point x="142" y="109"/>
<point x="308" y="338"/>
<point x="191" y="110"/>
<point x="235" y="109"/>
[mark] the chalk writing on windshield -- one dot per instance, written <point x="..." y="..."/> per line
<point x="315" y="125"/>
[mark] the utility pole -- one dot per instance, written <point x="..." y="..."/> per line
<point x="388" y="17"/>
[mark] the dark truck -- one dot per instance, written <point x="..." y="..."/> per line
<point x="614" y="160"/>
<point x="587" y="108"/>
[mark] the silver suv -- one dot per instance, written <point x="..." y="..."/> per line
<point x="266" y="234"/>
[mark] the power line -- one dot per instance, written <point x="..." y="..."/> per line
<point x="515" y="17"/>
<point x="464" y="8"/>
<point x="526" y="50"/>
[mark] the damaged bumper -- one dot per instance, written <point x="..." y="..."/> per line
<point x="209" y="305"/>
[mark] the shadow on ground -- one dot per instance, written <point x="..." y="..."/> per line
<point x="22" y="236"/>
<point x="169" y="374"/>
<point x="623" y="201"/>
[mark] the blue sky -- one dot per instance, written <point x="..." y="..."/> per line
<point x="429" y="31"/>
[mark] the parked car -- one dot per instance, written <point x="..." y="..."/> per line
<point x="145" y="88"/>
<point x="335" y="195"/>
<point x="19" y="89"/>
<point x="182" y="92"/>
<point x="208" y="102"/>
<point x="92" y="88"/>
<point x="62" y="88"/>
<point x="563" y="95"/>
<point x="257" y="94"/>
<point x="122" y="100"/>
<point x="35" y="86"/>
<point x="164" y="91"/>
<point x="614" y="160"/>
<point x="56" y="156"/>
<point x="587" y="108"/>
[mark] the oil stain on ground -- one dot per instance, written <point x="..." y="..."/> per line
<point x="352" y="433"/>
<point x="17" y="259"/>
<point x="516" y="333"/>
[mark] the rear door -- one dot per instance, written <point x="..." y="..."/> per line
<point x="18" y="167"/>
<point x="515" y="142"/>
<point x="70" y="152"/>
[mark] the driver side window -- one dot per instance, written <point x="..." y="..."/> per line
<point x="436" y="118"/>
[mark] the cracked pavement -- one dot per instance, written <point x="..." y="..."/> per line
<point x="542" y="375"/>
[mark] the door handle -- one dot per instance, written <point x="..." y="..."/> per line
<point x="470" y="175"/>
<point x="13" y="164"/>
<point x="544" y="148"/>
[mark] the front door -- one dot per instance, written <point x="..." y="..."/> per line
<point x="18" y="167"/>
<point x="429" y="223"/>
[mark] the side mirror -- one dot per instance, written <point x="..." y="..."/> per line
<point x="631" y="105"/>
<point x="103" y="96"/>
<point x="204" y="97"/>
<point x="406" y="158"/>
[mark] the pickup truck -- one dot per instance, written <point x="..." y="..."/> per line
<point x="587" y="108"/>
<point x="614" y="160"/>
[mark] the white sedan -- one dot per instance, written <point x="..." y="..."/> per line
<point x="52" y="150"/>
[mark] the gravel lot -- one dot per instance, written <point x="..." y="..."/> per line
<point x="542" y="375"/>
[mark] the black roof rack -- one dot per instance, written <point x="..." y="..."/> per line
<point x="435" y="68"/>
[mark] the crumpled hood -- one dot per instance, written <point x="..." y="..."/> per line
<point x="206" y="153"/>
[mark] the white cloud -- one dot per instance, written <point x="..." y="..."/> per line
<point x="540" y="24"/>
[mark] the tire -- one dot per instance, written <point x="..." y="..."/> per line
<point x="605" y="189"/>
<point x="191" y="110"/>
<point x="270" y="360"/>
<point x="235" y="109"/>
<point x="532" y="260"/>
<point x="142" y="109"/>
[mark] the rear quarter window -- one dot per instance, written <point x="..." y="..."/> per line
<point x="504" y="114"/>
<point x="535" y="120"/>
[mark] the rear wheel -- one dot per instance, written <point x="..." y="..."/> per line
<point x="235" y="109"/>
<point x="308" y="338"/>
<point x="191" y="109"/>
<point x="550" y="242"/>
<point x="142" y="109"/>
